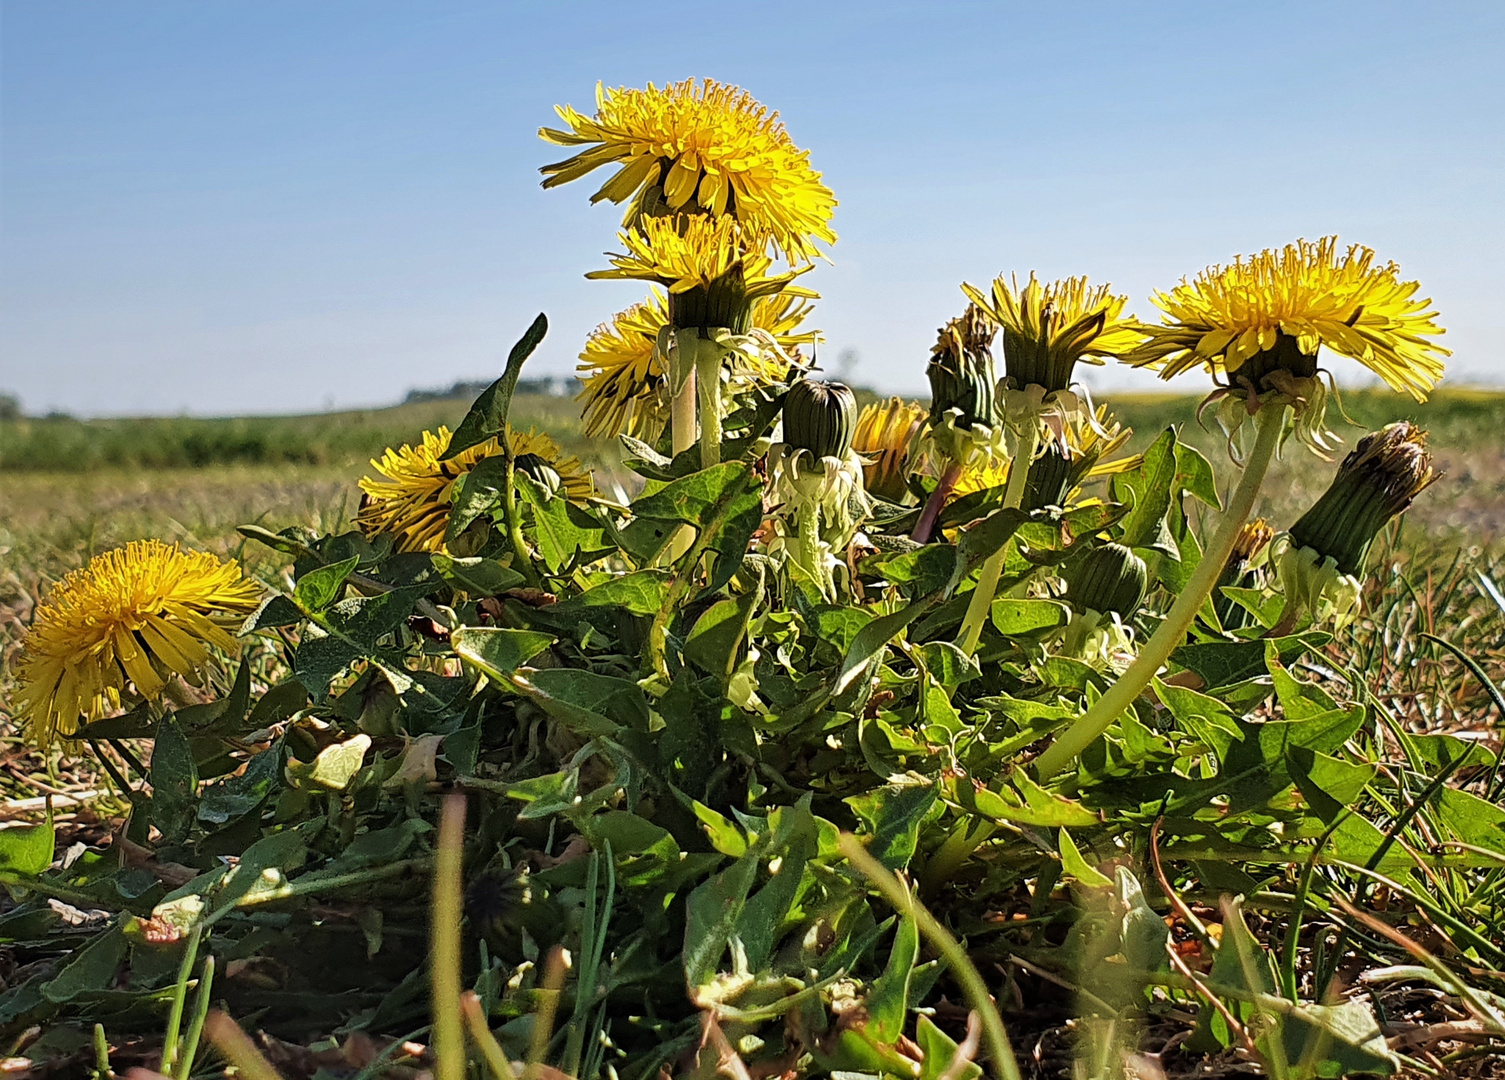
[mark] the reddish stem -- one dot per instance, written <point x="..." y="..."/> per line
<point x="935" y="504"/>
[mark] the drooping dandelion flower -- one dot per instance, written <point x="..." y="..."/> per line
<point x="1275" y="310"/>
<point x="885" y="440"/>
<point x="698" y="148"/>
<point x="412" y="502"/>
<point x="625" y="390"/>
<point x="1048" y="328"/>
<point x="131" y="618"/>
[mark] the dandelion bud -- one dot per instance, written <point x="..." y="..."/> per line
<point x="820" y="417"/>
<point x="1050" y="478"/>
<point x="961" y="371"/>
<point x="1377" y="481"/>
<point x="1110" y="579"/>
<point x="1320" y="559"/>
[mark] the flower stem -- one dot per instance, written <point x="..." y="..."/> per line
<point x="445" y="944"/>
<point x="981" y="603"/>
<point x="682" y="419"/>
<point x="1092" y="723"/>
<point x="682" y="433"/>
<point x="522" y="557"/>
<point x="807" y="548"/>
<point x="936" y="503"/>
<point x="708" y="379"/>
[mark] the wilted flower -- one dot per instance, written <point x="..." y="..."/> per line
<point x="706" y="147"/>
<point x="1321" y="557"/>
<point x="412" y="502"/>
<point x="132" y="617"/>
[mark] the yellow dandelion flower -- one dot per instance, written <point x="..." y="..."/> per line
<point x="704" y="147"/>
<point x="1048" y="328"/>
<point x="412" y="503"/>
<point x="697" y="253"/>
<point x="625" y="390"/>
<point x="132" y="617"/>
<point x="1276" y="309"/>
<point x="885" y="432"/>
<point x="622" y="374"/>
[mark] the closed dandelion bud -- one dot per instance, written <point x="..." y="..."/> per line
<point x="1050" y="478"/>
<point x="1378" y="480"/>
<point x="961" y="371"/>
<point x="1110" y="579"/>
<point x="1321" y="557"/>
<point x="496" y="900"/>
<point x="820" y="417"/>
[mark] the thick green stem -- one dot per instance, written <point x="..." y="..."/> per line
<point x="708" y="380"/>
<point x="1092" y="723"/>
<point x="682" y="417"/>
<point x="682" y="432"/>
<point x="522" y="556"/>
<point x="445" y="945"/>
<point x="807" y="548"/>
<point x="981" y="603"/>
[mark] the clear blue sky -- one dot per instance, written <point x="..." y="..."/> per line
<point x="271" y="205"/>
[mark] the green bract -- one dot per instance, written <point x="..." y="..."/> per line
<point x="820" y="417"/>
<point x="1110" y="579"/>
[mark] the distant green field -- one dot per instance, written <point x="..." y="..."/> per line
<point x="69" y="488"/>
<point x="63" y="444"/>
<point x="1457" y="418"/>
